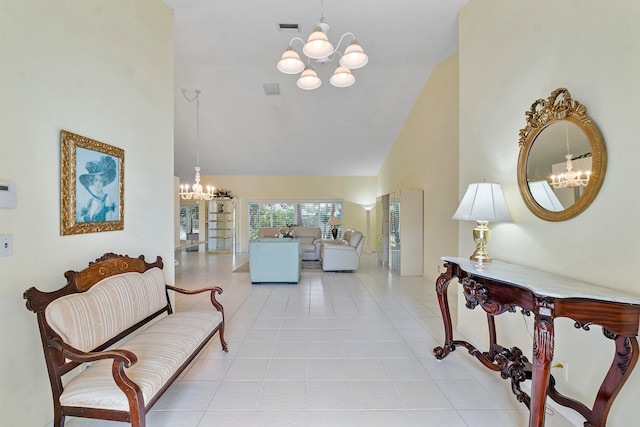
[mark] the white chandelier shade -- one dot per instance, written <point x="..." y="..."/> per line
<point x="319" y="49"/>
<point x="354" y="57"/>
<point x="318" y="45"/>
<point x="342" y="77"/>
<point x="309" y="79"/>
<point x="290" y="62"/>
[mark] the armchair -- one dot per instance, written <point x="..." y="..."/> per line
<point x="344" y="255"/>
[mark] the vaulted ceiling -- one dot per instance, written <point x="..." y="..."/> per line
<point x="228" y="49"/>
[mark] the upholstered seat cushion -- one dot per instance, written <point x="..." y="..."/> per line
<point x="161" y="349"/>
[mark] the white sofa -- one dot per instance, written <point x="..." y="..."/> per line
<point x="343" y="255"/>
<point x="310" y="239"/>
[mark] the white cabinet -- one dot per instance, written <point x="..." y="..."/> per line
<point x="401" y="232"/>
<point x="382" y="230"/>
<point x="221" y="225"/>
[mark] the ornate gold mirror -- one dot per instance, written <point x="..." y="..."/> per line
<point x="562" y="158"/>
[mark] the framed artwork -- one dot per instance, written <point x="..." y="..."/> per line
<point x="91" y="185"/>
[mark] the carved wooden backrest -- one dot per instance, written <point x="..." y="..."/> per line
<point x="107" y="265"/>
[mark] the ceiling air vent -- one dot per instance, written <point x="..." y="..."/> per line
<point x="271" y="88"/>
<point x="289" y="28"/>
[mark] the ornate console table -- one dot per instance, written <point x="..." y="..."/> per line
<point x="501" y="287"/>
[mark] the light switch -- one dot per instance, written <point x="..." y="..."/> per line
<point x="6" y="245"/>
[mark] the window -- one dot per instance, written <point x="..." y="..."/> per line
<point x="189" y="220"/>
<point x="301" y="213"/>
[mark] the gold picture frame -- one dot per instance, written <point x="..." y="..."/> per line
<point x="91" y="185"/>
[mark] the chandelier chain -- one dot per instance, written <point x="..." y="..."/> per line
<point x="196" y="98"/>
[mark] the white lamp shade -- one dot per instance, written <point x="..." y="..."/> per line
<point x="309" y="80"/>
<point x="318" y="45"/>
<point x="342" y="77"/>
<point x="483" y="201"/>
<point x="544" y="196"/>
<point x="334" y="221"/>
<point x="354" y="57"/>
<point x="290" y="62"/>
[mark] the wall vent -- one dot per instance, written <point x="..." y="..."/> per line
<point x="271" y="88"/>
<point x="289" y="28"/>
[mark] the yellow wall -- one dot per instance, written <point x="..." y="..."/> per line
<point x="102" y="69"/>
<point x="425" y="156"/>
<point x="511" y="54"/>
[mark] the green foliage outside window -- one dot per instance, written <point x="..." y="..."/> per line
<point x="302" y="214"/>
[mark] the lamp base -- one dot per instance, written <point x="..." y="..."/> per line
<point x="481" y="235"/>
<point x="334" y="233"/>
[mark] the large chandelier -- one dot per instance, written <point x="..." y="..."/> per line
<point x="319" y="49"/>
<point x="570" y="178"/>
<point x="195" y="191"/>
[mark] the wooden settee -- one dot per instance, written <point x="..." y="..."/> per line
<point x="123" y="300"/>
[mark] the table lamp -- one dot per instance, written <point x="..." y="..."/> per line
<point x="483" y="202"/>
<point x="334" y="223"/>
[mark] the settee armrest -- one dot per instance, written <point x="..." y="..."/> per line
<point x="121" y="359"/>
<point x="213" y="289"/>
<point x="119" y="355"/>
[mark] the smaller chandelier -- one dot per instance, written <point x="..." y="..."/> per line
<point x="570" y="178"/>
<point x="319" y="49"/>
<point x="196" y="192"/>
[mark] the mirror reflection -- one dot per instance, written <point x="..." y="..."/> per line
<point x="562" y="159"/>
<point x="559" y="165"/>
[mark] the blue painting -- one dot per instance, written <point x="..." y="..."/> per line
<point x="97" y="186"/>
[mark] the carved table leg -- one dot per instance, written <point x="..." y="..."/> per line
<point x="442" y="283"/>
<point x="623" y="363"/>
<point x="543" y="343"/>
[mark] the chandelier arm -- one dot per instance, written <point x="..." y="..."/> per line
<point x="332" y="55"/>
<point x="340" y="41"/>
<point x="298" y="39"/>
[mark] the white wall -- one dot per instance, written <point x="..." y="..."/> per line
<point x="511" y="54"/>
<point x="102" y="69"/>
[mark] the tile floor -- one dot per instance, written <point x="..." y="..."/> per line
<point x="337" y="349"/>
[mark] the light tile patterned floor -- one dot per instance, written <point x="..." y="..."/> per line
<point x="337" y="349"/>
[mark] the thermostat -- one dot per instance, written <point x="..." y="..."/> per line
<point x="7" y="195"/>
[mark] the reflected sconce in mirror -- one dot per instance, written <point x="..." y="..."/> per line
<point x="562" y="160"/>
